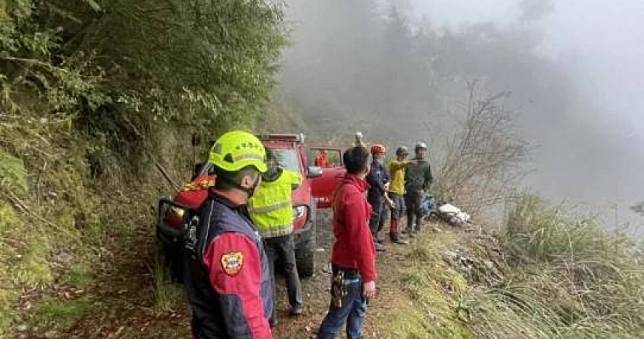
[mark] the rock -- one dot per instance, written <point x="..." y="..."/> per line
<point x="431" y="316"/>
<point x="51" y="334"/>
<point x="22" y="328"/>
<point x="63" y="257"/>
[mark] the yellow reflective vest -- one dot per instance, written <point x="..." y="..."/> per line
<point x="271" y="208"/>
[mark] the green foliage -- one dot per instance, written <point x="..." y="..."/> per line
<point x="550" y="275"/>
<point x="13" y="175"/>
<point x="60" y="314"/>
<point x="81" y="276"/>
<point x="8" y="223"/>
<point x="33" y="267"/>
<point x="567" y="278"/>
<point x="168" y="295"/>
<point x="93" y="94"/>
<point x="435" y="289"/>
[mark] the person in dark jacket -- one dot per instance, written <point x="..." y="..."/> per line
<point x="354" y="257"/>
<point x="418" y="179"/>
<point x="227" y="276"/>
<point x="378" y="180"/>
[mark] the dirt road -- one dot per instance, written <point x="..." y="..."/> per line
<point x="125" y="298"/>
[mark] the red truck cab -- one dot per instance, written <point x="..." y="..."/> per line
<point x="315" y="192"/>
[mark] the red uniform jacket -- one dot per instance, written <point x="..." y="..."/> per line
<point x="227" y="277"/>
<point x="353" y="247"/>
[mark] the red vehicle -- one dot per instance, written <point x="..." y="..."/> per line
<point x="324" y="186"/>
<point x="315" y="192"/>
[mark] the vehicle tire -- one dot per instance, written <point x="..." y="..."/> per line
<point x="305" y="257"/>
<point x="305" y="253"/>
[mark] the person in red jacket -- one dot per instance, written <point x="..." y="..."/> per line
<point x="227" y="275"/>
<point x="322" y="159"/>
<point x="354" y="255"/>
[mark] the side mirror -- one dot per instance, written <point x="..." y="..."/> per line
<point x="315" y="172"/>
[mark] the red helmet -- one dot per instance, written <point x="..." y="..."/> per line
<point x="378" y="149"/>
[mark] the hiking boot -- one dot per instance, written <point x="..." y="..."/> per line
<point x="380" y="247"/>
<point x="396" y="239"/>
<point x="296" y="310"/>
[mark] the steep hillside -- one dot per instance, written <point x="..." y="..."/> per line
<point x="104" y="105"/>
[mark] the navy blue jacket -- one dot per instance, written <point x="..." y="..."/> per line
<point x="377" y="178"/>
<point x="228" y="280"/>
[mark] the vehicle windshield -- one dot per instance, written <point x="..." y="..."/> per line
<point x="287" y="158"/>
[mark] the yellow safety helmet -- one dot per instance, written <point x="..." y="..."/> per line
<point x="237" y="149"/>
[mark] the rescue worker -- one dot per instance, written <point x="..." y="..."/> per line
<point x="322" y="160"/>
<point x="378" y="180"/>
<point x="397" y="169"/>
<point x="271" y="210"/>
<point x="353" y="257"/>
<point x="227" y="274"/>
<point x="418" y="179"/>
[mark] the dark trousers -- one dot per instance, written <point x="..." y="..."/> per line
<point x="283" y="248"/>
<point x="377" y="220"/>
<point x="399" y="202"/>
<point x="414" y="201"/>
<point x="353" y="312"/>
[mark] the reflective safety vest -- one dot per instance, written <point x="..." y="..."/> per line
<point x="271" y="208"/>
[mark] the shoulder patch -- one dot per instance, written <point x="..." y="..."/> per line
<point x="232" y="263"/>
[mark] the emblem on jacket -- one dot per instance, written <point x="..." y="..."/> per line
<point x="232" y="263"/>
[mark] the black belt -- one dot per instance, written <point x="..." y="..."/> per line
<point x="349" y="273"/>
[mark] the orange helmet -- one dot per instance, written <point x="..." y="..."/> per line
<point x="378" y="149"/>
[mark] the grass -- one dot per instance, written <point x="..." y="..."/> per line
<point x="81" y="276"/>
<point x="434" y="290"/>
<point x="551" y="275"/>
<point x="13" y="175"/>
<point x="8" y="295"/>
<point x="33" y="269"/>
<point x="7" y="298"/>
<point x="45" y="208"/>
<point x="568" y="279"/>
<point x="59" y="315"/>
<point x="168" y="296"/>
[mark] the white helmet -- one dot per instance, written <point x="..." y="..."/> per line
<point x="420" y="145"/>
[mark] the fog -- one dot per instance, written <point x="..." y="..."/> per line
<point x="397" y="71"/>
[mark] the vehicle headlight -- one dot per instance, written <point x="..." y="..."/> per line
<point x="299" y="212"/>
<point x="178" y="212"/>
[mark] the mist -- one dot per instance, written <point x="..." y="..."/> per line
<point x="398" y="70"/>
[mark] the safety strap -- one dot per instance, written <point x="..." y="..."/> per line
<point x="249" y="190"/>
